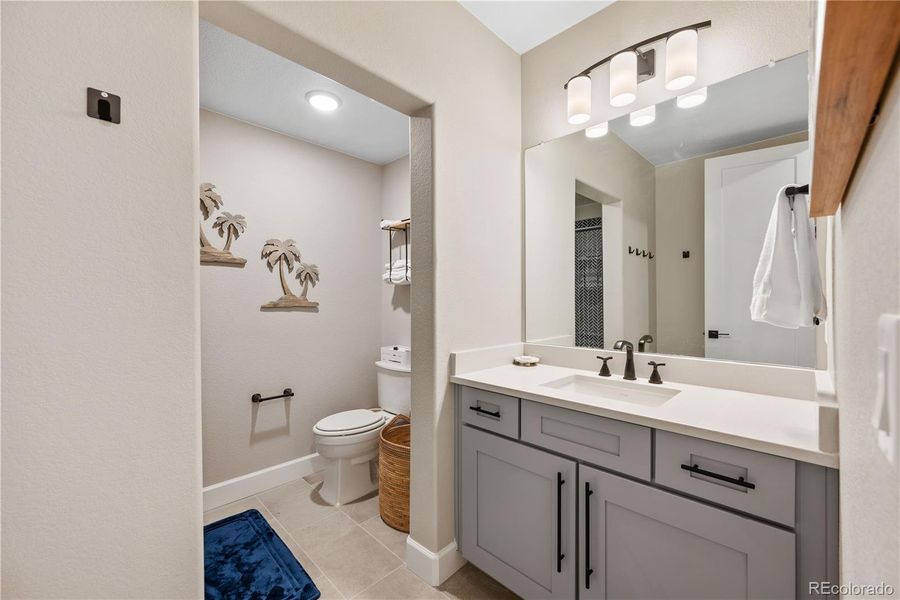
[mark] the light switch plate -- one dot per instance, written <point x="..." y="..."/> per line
<point x="886" y="414"/>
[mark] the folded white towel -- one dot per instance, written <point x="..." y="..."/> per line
<point x="399" y="276"/>
<point x="385" y="223"/>
<point x="787" y="286"/>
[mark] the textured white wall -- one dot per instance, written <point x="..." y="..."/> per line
<point x="395" y="299"/>
<point x="433" y="53"/>
<point x="743" y="36"/>
<point x="101" y="411"/>
<point x="867" y="280"/>
<point x="329" y="203"/>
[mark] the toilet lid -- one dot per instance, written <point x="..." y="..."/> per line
<point x="350" y="421"/>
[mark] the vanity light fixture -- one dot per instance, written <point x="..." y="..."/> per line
<point x="324" y="101"/>
<point x="630" y="66"/>
<point x="642" y="117"/>
<point x="579" y="99"/>
<point x="596" y="131"/>
<point x="681" y="59"/>
<point x="623" y="78"/>
<point x="692" y="98"/>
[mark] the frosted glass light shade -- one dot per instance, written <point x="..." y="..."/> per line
<point x="681" y="59"/>
<point x="642" y="117"/>
<point x="598" y="130"/>
<point x="692" y="98"/>
<point x="623" y="79"/>
<point x="579" y="99"/>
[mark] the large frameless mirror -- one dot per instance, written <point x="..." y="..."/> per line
<point x="651" y="232"/>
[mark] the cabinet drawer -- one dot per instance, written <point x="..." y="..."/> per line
<point x="619" y="446"/>
<point x="487" y="410"/>
<point x="769" y="481"/>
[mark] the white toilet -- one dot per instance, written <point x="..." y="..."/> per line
<point x="349" y="439"/>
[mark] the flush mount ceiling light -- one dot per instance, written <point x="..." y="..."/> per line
<point x="692" y="98"/>
<point x="681" y="59"/>
<point x="632" y="65"/>
<point x="578" y="99"/>
<point x="598" y="130"/>
<point x="642" y="117"/>
<point x="324" y="101"/>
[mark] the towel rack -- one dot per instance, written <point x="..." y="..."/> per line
<point x="793" y="190"/>
<point x="640" y="253"/>
<point x="404" y="227"/>
<point x="257" y="398"/>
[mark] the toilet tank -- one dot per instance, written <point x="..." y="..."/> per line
<point x="394" y="385"/>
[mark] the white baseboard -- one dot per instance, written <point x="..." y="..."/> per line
<point x="433" y="567"/>
<point x="231" y="490"/>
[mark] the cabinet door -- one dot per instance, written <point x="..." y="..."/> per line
<point x="643" y="542"/>
<point x="518" y="514"/>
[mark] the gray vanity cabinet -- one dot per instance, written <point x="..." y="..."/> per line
<point x="643" y="542"/>
<point x="556" y="503"/>
<point x="517" y="511"/>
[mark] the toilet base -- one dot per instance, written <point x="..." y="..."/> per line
<point x="348" y="479"/>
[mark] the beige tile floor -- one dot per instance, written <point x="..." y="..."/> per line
<point x="348" y="551"/>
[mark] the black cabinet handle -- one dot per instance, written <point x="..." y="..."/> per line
<point x="588" y="571"/>
<point x="559" y="553"/>
<point x="739" y="481"/>
<point x="481" y="411"/>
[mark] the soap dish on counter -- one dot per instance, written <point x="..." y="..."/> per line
<point x="526" y="361"/>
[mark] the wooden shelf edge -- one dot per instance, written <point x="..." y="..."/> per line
<point x="402" y="226"/>
<point x="859" y="46"/>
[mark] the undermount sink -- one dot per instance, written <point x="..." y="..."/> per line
<point x="593" y="388"/>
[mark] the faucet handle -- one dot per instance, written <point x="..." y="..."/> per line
<point x="654" y="376"/>
<point x="604" y="370"/>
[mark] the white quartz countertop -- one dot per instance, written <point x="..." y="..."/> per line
<point x="782" y="426"/>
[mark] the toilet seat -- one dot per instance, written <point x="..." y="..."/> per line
<point x="349" y="422"/>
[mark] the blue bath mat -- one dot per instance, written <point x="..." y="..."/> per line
<point x="245" y="560"/>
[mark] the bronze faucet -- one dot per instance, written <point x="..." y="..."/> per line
<point x="654" y="376"/>
<point x="645" y="339"/>
<point x="629" y="363"/>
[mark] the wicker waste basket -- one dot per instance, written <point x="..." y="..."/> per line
<point x="393" y="473"/>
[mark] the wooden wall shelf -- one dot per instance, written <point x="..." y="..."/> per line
<point x="401" y="226"/>
<point x="859" y="46"/>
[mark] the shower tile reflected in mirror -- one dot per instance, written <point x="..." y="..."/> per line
<point x="657" y="230"/>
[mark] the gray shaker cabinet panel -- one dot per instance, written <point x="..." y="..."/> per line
<point x="772" y="477"/>
<point x="608" y="443"/>
<point x="487" y="410"/>
<point x="510" y="499"/>
<point x="644" y="542"/>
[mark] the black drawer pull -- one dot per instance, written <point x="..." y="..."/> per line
<point x="481" y="411"/>
<point x="559" y="553"/>
<point x="588" y="571"/>
<point x="739" y="481"/>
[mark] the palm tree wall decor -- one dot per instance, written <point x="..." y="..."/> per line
<point x="227" y="224"/>
<point x="308" y="275"/>
<point x="234" y="225"/>
<point x="285" y="254"/>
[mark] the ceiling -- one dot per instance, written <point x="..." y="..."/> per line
<point x="760" y="104"/>
<point x="526" y="24"/>
<point x="242" y="80"/>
